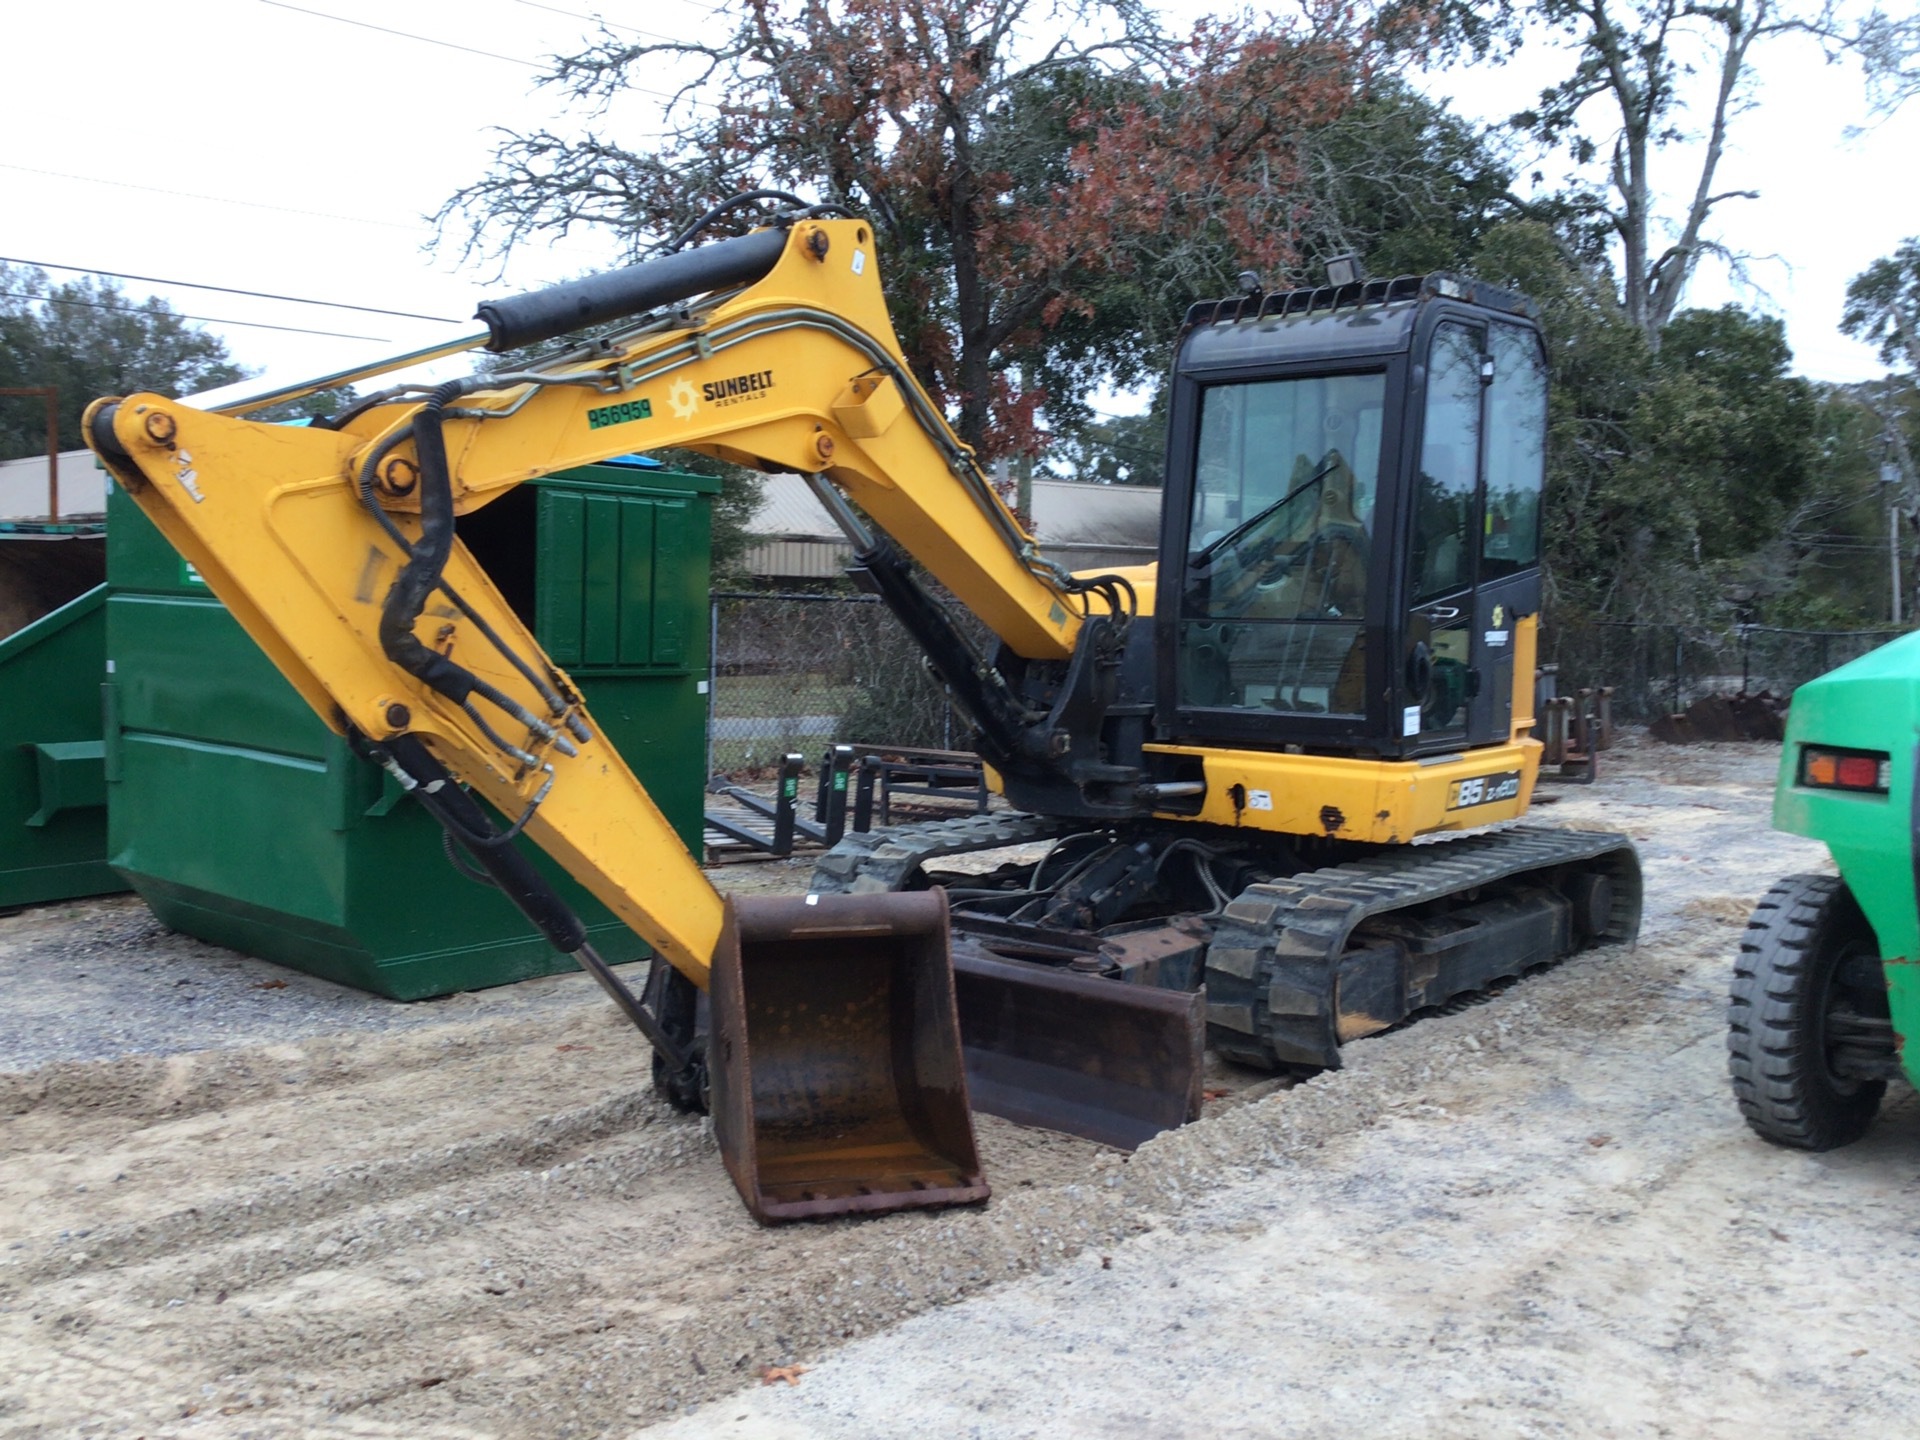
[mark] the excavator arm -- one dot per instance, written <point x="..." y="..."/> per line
<point x="334" y="546"/>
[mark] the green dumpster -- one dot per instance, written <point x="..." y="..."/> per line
<point x="242" y="820"/>
<point x="52" y="792"/>
<point x="53" y="645"/>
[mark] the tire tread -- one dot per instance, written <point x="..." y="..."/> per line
<point x="1775" y="1054"/>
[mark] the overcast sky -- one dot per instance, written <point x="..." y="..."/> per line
<point x="285" y="148"/>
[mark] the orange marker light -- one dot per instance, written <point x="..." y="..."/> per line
<point x="1863" y="771"/>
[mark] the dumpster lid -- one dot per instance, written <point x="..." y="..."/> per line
<point x="634" y="472"/>
<point x="79" y="527"/>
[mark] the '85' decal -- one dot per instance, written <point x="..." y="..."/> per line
<point x="1483" y="790"/>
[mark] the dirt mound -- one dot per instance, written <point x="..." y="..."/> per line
<point x="1725" y="717"/>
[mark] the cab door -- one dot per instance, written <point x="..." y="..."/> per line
<point x="1473" y="555"/>
<point x="1442" y="670"/>
<point x="1514" y="473"/>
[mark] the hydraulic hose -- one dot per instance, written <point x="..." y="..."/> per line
<point x="420" y="576"/>
<point x="460" y="815"/>
<point x="556" y="705"/>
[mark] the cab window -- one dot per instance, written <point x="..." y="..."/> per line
<point x="1516" y="453"/>
<point x="1286" y="476"/>
<point x="1449" y="471"/>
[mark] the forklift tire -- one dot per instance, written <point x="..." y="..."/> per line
<point x="1799" y="938"/>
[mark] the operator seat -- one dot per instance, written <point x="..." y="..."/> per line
<point x="1326" y="573"/>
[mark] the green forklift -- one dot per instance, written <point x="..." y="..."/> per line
<point x="1825" y="1007"/>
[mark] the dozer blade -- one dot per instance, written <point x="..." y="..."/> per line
<point x="1093" y="1057"/>
<point x="838" y="1085"/>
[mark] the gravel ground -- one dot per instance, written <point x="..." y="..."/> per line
<point x="1540" y="1216"/>
<point x="95" y="979"/>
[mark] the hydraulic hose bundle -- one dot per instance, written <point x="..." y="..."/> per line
<point x="420" y="576"/>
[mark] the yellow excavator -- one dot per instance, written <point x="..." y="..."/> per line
<point x="1229" y="760"/>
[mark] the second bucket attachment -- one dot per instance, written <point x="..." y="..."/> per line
<point x="1082" y="1054"/>
<point x="838" y="1082"/>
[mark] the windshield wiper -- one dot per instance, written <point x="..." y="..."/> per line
<point x="1239" y="532"/>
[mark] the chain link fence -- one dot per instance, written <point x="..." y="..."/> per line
<point x="795" y="672"/>
<point x="1660" y="670"/>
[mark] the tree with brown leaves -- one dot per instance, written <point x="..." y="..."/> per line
<point x="1034" y="196"/>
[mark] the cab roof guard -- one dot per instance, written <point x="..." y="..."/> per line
<point x="1360" y="294"/>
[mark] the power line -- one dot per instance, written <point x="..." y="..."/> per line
<point x="1116" y="415"/>
<point x="403" y="34"/>
<point x="216" y="199"/>
<point x="228" y="290"/>
<point x="597" y="20"/>
<point x="204" y="319"/>
<point x="601" y="20"/>
<point x="248" y="204"/>
<point x="444" y="44"/>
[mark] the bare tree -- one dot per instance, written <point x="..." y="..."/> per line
<point x="1889" y="47"/>
<point x="896" y="107"/>
<point x="1636" y="66"/>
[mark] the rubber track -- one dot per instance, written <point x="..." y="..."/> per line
<point x="883" y="860"/>
<point x="1276" y="949"/>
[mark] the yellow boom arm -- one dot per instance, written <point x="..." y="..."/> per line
<point x="302" y="533"/>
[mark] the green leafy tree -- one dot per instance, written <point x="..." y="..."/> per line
<point x="1594" y="534"/>
<point x="88" y="338"/>
<point x="1883" y="306"/>
<point x="1733" y="433"/>
<point x="1828" y="567"/>
<point x="1671" y="473"/>
<point x="1393" y="177"/>
<point x="1115" y="449"/>
<point x="1403" y="182"/>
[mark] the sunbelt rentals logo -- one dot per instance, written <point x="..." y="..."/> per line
<point x="737" y="389"/>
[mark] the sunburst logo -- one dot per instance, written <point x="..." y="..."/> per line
<point x="684" y="399"/>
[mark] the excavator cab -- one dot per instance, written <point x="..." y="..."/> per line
<point x="1339" y="661"/>
<point x="1352" y="518"/>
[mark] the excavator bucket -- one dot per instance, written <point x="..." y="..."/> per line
<point x="1081" y="1054"/>
<point x="838" y="1083"/>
